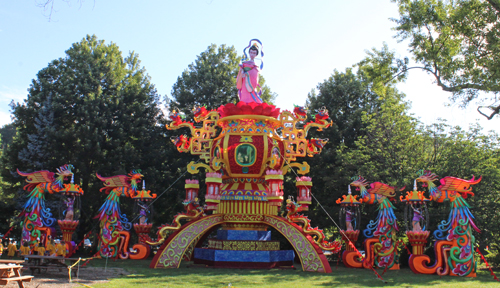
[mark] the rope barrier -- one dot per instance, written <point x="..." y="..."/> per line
<point x="8" y="232"/>
<point x="71" y="266"/>
<point x="487" y="265"/>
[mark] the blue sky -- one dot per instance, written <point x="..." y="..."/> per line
<point x="304" y="42"/>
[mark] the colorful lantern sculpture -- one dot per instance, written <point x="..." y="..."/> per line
<point x="350" y="219"/>
<point x="380" y="245"/>
<point x="143" y="225"/>
<point x="248" y="144"/>
<point x="212" y="196"/>
<point x="37" y="220"/>
<point x="114" y="236"/>
<point x="304" y="185"/>
<point x="72" y="193"/>
<point x="416" y="220"/>
<point x="454" y="246"/>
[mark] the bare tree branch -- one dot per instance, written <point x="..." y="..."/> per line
<point x="48" y="5"/>
<point x="496" y="110"/>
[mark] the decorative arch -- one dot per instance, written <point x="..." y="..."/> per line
<point x="310" y="255"/>
<point x="172" y="252"/>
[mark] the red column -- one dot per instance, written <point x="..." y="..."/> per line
<point x="304" y="185"/>
<point x="274" y="180"/>
<point x="212" y="197"/>
<point x="192" y="187"/>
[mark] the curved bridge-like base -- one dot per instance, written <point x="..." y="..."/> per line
<point x="172" y="251"/>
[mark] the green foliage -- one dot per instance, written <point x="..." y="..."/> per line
<point x="493" y="254"/>
<point x="211" y="81"/>
<point x="351" y="99"/>
<point x="392" y="148"/>
<point x="7" y="133"/>
<point x="96" y="110"/>
<point x="466" y="153"/>
<point x="457" y="42"/>
<point x="7" y="204"/>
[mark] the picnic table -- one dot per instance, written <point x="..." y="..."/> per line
<point x="11" y="261"/>
<point x="38" y="262"/>
<point x="12" y="273"/>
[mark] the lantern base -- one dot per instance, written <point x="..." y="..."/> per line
<point x="417" y="241"/>
<point x="243" y="249"/>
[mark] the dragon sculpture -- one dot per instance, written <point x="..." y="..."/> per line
<point x="113" y="238"/>
<point x="193" y="211"/>
<point x="317" y="234"/>
<point x="320" y="120"/>
<point x="37" y="217"/>
<point x="315" y="146"/>
<point x="182" y="143"/>
<point x="454" y="247"/>
<point x="381" y="251"/>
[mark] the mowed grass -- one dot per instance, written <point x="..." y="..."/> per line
<point x="195" y="276"/>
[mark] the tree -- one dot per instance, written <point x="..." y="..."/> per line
<point x="458" y="43"/>
<point x="211" y="80"/>
<point x="393" y="146"/>
<point x="466" y="153"/>
<point x="346" y="97"/>
<point x="7" y="132"/>
<point x="93" y="109"/>
<point x="353" y="101"/>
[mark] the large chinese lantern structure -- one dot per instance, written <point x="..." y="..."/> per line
<point x="245" y="149"/>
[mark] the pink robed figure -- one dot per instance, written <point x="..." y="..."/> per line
<point x="248" y="79"/>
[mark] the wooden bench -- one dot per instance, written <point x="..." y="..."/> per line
<point x="18" y="279"/>
<point x="46" y="263"/>
<point x="11" y="261"/>
<point x="9" y="273"/>
<point x="33" y="268"/>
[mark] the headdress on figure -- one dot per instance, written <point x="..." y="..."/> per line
<point x="255" y="44"/>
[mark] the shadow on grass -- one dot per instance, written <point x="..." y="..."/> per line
<point x="196" y="276"/>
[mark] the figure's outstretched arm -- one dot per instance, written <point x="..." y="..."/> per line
<point x="239" y="79"/>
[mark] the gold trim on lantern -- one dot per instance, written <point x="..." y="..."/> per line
<point x="196" y="186"/>
<point x="304" y="183"/>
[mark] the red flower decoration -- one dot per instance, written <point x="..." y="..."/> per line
<point x="242" y="108"/>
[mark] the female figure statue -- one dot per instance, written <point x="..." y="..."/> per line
<point x="142" y="213"/>
<point x="348" y="219"/>
<point x="248" y="76"/>
<point x="417" y="216"/>
<point x="69" y="208"/>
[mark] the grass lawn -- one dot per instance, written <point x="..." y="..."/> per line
<point x="142" y="276"/>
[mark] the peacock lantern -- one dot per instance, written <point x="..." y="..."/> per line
<point x="38" y="224"/>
